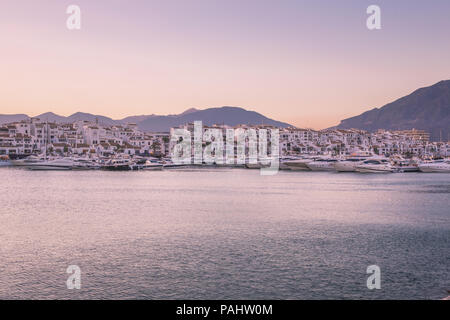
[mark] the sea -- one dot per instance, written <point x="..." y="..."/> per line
<point x="223" y="233"/>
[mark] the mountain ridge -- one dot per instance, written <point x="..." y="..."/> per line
<point x="426" y="108"/>
<point x="161" y="123"/>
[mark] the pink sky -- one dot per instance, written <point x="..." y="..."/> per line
<point x="309" y="63"/>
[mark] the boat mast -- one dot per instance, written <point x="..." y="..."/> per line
<point x="46" y="138"/>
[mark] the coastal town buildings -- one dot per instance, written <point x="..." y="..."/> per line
<point x="84" y="138"/>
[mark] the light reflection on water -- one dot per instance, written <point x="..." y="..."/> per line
<point x="223" y="234"/>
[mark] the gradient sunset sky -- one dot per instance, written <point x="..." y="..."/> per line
<point x="309" y="63"/>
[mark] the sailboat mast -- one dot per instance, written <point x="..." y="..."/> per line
<point x="46" y="138"/>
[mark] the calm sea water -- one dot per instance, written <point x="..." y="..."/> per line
<point x="223" y="234"/>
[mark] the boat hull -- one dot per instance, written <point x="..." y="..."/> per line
<point x="124" y="167"/>
<point x="374" y="170"/>
<point x="346" y="166"/>
<point x="407" y="169"/>
<point x="297" y="165"/>
<point x="48" y="168"/>
<point x="321" y="166"/>
<point x="253" y="166"/>
<point x="152" y="168"/>
<point x="434" y="169"/>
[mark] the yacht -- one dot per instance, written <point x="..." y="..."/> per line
<point x="322" y="165"/>
<point x="436" y="166"/>
<point x="299" y="164"/>
<point x="85" y="164"/>
<point x="402" y="165"/>
<point x="118" y="165"/>
<point x="349" y="164"/>
<point x="375" y="166"/>
<point x="57" y="164"/>
<point x="171" y="165"/>
<point x="149" y="165"/>
<point x="28" y="160"/>
<point x="4" y="161"/>
<point x="283" y="160"/>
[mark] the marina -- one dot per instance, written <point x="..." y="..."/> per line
<point x="354" y="163"/>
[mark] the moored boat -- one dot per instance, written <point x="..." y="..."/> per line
<point x="442" y="166"/>
<point x="349" y="164"/>
<point x="28" y="160"/>
<point x="299" y="164"/>
<point x="118" y="165"/>
<point x="322" y="165"/>
<point x="85" y="164"/>
<point x="149" y="165"/>
<point x="375" y="166"/>
<point x="50" y="165"/>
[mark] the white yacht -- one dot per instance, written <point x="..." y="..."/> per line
<point x="256" y="165"/>
<point x="299" y="164"/>
<point x="375" y="166"/>
<point x="149" y="165"/>
<point x="402" y="165"/>
<point x="322" y="165"/>
<point x="283" y="160"/>
<point x="28" y="160"/>
<point x="57" y="164"/>
<point x="118" y="164"/>
<point x="85" y="164"/>
<point x="436" y="166"/>
<point x="263" y="162"/>
<point x="349" y="164"/>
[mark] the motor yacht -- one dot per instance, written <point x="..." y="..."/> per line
<point x="284" y="160"/>
<point x="441" y="165"/>
<point x="375" y="166"/>
<point x="56" y="164"/>
<point x="118" y="165"/>
<point x="149" y="165"/>
<point x="85" y="164"/>
<point x="349" y="164"/>
<point x="299" y="164"/>
<point x="403" y="165"/>
<point x="28" y="160"/>
<point x="322" y="165"/>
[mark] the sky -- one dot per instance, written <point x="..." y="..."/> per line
<point x="308" y="63"/>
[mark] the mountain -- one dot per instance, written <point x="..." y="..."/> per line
<point x="81" y="116"/>
<point x="425" y="109"/>
<point x="51" y="117"/>
<point x="135" y="119"/>
<point x="8" y="118"/>
<point x="190" y="110"/>
<point x="225" y="115"/>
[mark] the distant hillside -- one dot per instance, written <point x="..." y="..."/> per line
<point x="135" y="119"/>
<point x="426" y="109"/>
<point x="51" y="117"/>
<point x="226" y="115"/>
<point x="8" y="118"/>
<point x="81" y="116"/>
